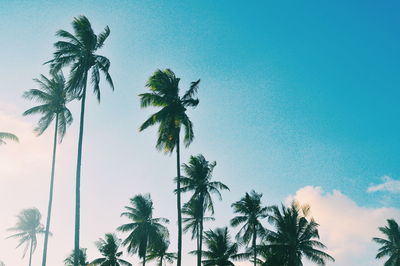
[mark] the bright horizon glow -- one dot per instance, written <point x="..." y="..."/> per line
<point x="297" y="100"/>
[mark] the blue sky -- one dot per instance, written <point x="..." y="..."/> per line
<point x="293" y="94"/>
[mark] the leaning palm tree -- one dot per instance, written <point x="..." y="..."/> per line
<point x="78" y="51"/>
<point x="108" y="247"/>
<point x="220" y="250"/>
<point x="390" y="245"/>
<point x="251" y="212"/>
<point x="7" y="136"/>
<point x="52" y="96"/>
<point x="296" y="236"/>
<point x="159" y="253"/>
<point x="144" y="230"/>
<point x="27" y="228"/>
<point x="82" y="258"/>
<point x="164" y="94"/>
<point x="198" y="181"/>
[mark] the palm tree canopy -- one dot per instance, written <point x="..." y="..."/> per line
<point x="193" y="214"/>
<point x="164" y="87"/>
<point x="296" y="236"/>
<point x="198" y="180"/>
<point x="109" y="248"/>
<point x="220" y="250"/>
<point x="390" y="245"/>
<point x="144" y="230"/>
<point x="159" y="252"/>
<point x="9" y="136"/>
<point x="251" y="212"/>
<point x="83" y="261"/>
<point x="27" y="227"/>
<point x="78" y="50"/>
<point x="52" y="97"/>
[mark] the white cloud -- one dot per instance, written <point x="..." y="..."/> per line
<point x="345" y="227"/>
<point x="389" y="184"/>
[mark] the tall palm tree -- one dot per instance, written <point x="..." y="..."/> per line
<point x="78" y="51"/>
<point x="296" y="236"/>
<point x="27" y="228"/>
<point x="82" y="258"/>
<point x="109" y="247"/>
<point x="251" y="212"/>
<point x="390" y="245"/>
<point x="164" y="87"/>
<point x="144" y="230"/>
<point x="198" y="180"/>
<point x="159" y="252"/>
<point x="52" y="96"/>
<point x="7" y="136"/>
<point x="220" y="249"/>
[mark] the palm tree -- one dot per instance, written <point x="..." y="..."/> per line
<point x="108" y="247"/>
<point x="159" y="252"/>
<point x="79" y="52"/>
<point x="82" y="258"/>
<point x="296" y="236"/>
<point x="52" y="97"/>
<point x="164" y="87"/>
<point x="390" y="246"/>
<point x="4" y="136"/>
<point x="144" y="230"/>
<point x="2" y="263"/>
<point x="220" y="250"/>
<point x="198" y="180"/>
<point x="27" y="227"/>
<point x="251" y="212"/>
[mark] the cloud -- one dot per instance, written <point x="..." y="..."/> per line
<point x="389" y="184"/>
<point x="345" y="227"/>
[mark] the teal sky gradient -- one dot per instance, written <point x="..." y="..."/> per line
<point x="292" y="93"/>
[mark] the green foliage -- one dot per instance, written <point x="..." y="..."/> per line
<point x="52" y="97"/>
<point x="390" y="245"/>
<point x="296" y="236"/>
<point x="108" y="247"/>
<point x="159" y="253"/>
<point x="144" y="230"/>
<point x="7" y="136"/>
<point x="27" y="227"/>
<point x="82" y="258"/>
<point x="220" y="249"/>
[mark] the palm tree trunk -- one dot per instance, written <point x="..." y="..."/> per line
<point x="30" y="254"/>
<point x="46" y="236"/>
<point x="200" y="241"/>
<point x="254" y="246"/>
<point x="178" y="195"/>
<point x="78" y="179"/>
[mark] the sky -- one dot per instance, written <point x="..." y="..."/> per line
<point x="298" y="100"/>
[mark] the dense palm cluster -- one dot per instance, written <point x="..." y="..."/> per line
<point x="266" y="235"/>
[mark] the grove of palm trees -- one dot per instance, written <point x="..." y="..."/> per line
<point x="200" y="209"/>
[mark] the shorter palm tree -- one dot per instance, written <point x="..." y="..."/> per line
<point x="296" y="236"/>
<point x="251" y="212"/>
<point x="109" y="247"/>
<point x="390" y="246"/>
<point x="82" y="258"/>
<point x="159" y="253"/>
<point x="220" y="249"/>
<point x="7" y="136"/>
<point x="144" y="230"/>
<point x="27" y="227"/>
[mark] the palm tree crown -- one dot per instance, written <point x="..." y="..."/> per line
<point x="82" y="258"/>
<point x="220" y="250"/>
<point x="159" y="252"/>
<point x="7" y="136"/>
<point x="27" y="227"/>
<point x="144" y="230"/>
<point x="109" y="247"/>
<point x="390" y="246"/>
<point x="295" y="236"/>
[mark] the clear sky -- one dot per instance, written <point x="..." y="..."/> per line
<point x="296" y="98"/>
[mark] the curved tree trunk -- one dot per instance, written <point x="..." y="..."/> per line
<point x="254" y="246"/>
<point x="30" y="254"/>
<point x="78" y="180"/>
<point x="46" y="236"/>
<point x="178" y="195"/>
